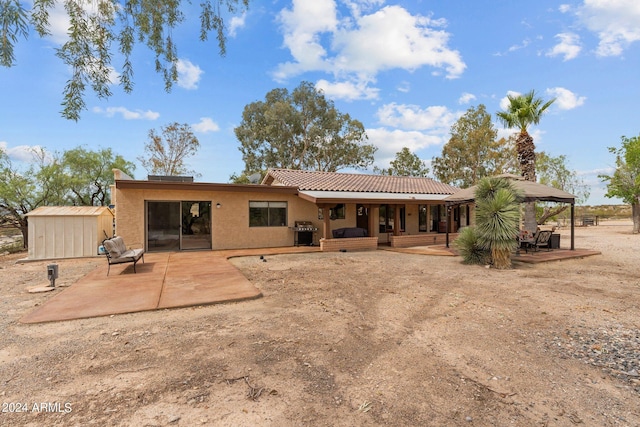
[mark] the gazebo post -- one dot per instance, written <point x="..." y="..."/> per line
<point x="573" y="220"/>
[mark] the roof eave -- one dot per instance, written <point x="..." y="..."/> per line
<point x="204" y="186"/>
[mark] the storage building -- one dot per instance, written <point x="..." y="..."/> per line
<point x="68" y="231"/>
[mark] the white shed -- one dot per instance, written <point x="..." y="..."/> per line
<point x="68" y="231"/>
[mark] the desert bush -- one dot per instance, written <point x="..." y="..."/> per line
<point x="470" y="248"/>
<point x="12" y="248"/>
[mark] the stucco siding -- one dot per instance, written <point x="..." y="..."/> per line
<point x="230" y="222"/>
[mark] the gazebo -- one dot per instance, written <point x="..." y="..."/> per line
<point x="531" y="191"/>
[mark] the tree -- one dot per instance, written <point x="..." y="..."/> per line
<point x="625" y="181"/>
<point x="553" y="171"/>
<point x="406" y="163"/>
<point x="497" y="219"/>
<point x="77" y="177"/>
<point x="89" y="175"/>
<point x="166" y="153"/>
<point x="522" y="112"/>
<point x="300" y="130"/>
<point x="21" y="191"/>
<point x="473" y="152"/>
<point x="95" y="26"/>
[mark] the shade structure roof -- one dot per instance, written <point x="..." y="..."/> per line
<point x="532" y="191"/>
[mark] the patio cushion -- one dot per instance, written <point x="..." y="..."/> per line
<point x="127" y="256"/>
<point x="119" y="241"/>
<point x="112" y="247"/>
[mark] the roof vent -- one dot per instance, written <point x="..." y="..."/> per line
<point x="170" y="178"/>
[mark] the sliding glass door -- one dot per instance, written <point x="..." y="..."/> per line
<point x="173" y="226"/>
<point x="196" y="225"/>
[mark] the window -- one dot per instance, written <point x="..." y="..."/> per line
<point x="422" y="218"/>
<point x="267" y="214"/>
<point x="435" y="217"/>
<point x="387" y="218"/>
<point x="334" y="213"/>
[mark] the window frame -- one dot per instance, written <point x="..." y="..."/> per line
<point x="268" y="216"/>
<point x="339" y="212"/>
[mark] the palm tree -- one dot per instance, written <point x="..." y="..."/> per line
<point x="522" y="112"/>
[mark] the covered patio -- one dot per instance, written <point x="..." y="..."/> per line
<point x="531" y="192"/>
<point x="373" y="209"/>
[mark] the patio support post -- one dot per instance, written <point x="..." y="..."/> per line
<point x="573" y="220"/>
<point x="326" y="222"/>
<point x="396" y="220"/>
<point x="448" y="223"/>
<point x="372" y="221"/>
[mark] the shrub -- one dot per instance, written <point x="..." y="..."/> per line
<point x="470" y="248"/>
<point x="497" y="219"/>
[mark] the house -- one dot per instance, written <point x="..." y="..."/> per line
<point x="289" y="207"/>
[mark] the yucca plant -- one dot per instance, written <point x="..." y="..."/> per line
<point x="469" y="247"/>
<point x="497" y="219"/>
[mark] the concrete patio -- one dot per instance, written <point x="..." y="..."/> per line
<point x="183" y="279"/>
<point x="165" y="280"/>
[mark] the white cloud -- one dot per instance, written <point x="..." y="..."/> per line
<point x="393" y="38"/>
<point x="20" y="153"/>
<point x="188" y="74"/>
<point x="412" y="117"/>
<point x="114" y="76"/>
<point x="569" y="46"/>
<point x="126" y="113"/>
<point x="358" y="7"/>
<point x="525" y="43"/>
<point x="363" y="44"/>
<point x="347" y="90"/>
<point x="466" y="98"/>
<point x="416" y="128"/>
<point x="59" y="21"/>
<point x="565" y="99"/>
<point x="389" y="142"/>
<point x="564" y="8"/>
<point x="237" y="22"/>
<point x="302" y="26"/>
<point x="206" y="125"/>
<point x="616" y="23"/>
<point x="404" y="87"/>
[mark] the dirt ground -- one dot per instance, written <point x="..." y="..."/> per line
<point x="344" y="339"/>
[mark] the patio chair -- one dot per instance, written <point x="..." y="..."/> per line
<point x="542" y="240"/>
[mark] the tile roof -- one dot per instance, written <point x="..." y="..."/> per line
<point x="335" y="181"/>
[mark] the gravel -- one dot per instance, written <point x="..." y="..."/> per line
<point x="614" y="349"/>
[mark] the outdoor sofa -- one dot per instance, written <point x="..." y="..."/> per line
<point x="347" y="232"/>
<point x="117" y="253"/>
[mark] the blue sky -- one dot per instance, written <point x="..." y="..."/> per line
<point x="406" y="69"/>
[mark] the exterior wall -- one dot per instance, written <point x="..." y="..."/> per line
<point x="230" y="223"/>
<point x="423" y="239"/>
<point x="412" y="220"/>
<point x="349" y="244"/>
<point x="411" y="223"/>
<point x="53" y="237"/>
